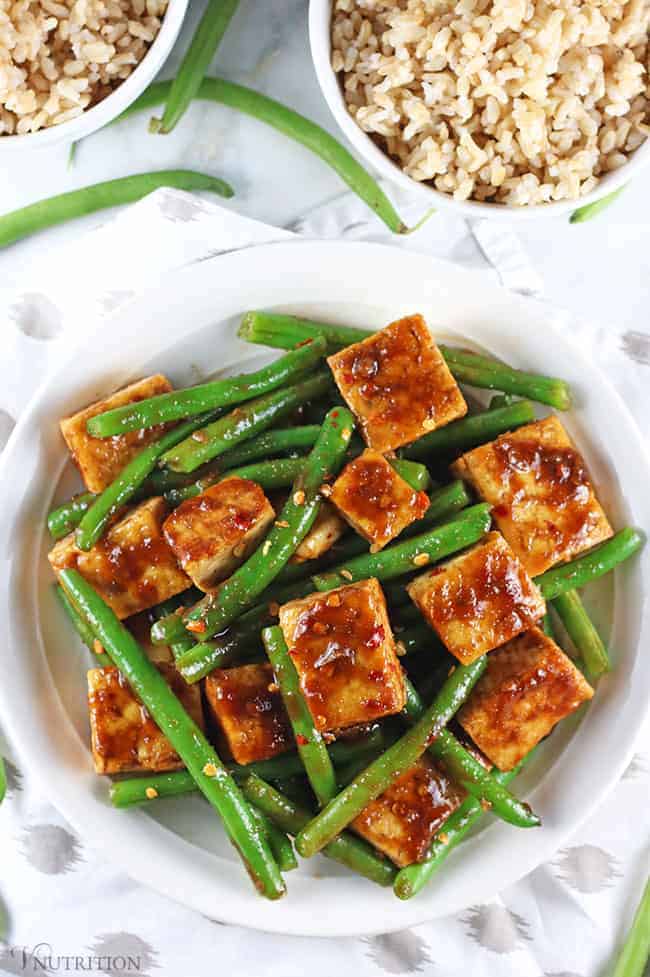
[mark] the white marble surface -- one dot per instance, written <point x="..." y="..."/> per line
<point x="600" y="269"/>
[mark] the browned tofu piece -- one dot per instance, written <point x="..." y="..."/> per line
<point x="213" y="533"/>
<point x="541" y="495"/>
<point x="100" y="460"/>
<point x="528" y="686"/>
<point x="478" y="600"/>
<point x="327" y="530"/>
<point x="248" y="708"/>
<point x="375" y="500"/>
<point x="402" y="821"/>
<point x="397" y="384"/>
<point x="132" y="567"/>
<point x="344" y="652"/>
<point x="124" y="737"/>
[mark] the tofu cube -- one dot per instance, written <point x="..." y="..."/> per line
<point x="403" y="820"/>
<point x="327" y="530"/>
<point x="249" y="712"/>
<point x="124" y="737"/>
<point x="397" y="384"/>
<point x="528" y="686"/>
<point x="132" y="567"/>
<point x="541" y="495"/>
<point x="213" y="533"/>
<point x="100" y="460"/>
<point x="375" y="500"/>
<point x="478" y="600"/>
<point x="344" y="652"/>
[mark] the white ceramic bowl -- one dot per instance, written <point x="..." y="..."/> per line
<point x="190" y="319"/>
<point x="110" y="107"/>
<point x="320" y="14"/>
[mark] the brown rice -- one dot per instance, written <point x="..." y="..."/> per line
<point x="513" y="101"/>
<point x="59" y="57"/>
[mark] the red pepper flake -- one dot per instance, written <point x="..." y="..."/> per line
<point x="301" y="740"/>
<point x="335" y="413"/>
<point x="376" y="638"/>
<point x="485" y="804"/>
<point x="196" y="627"/>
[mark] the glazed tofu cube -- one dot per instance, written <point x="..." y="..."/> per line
<point x="132" y="567"/>
<point x="249" y="712"/>
<point x="528" y="686"/>
<point x="478" y="600"/>
<point x="213" y="533"/>
<point x="327" y="530"/>
<point x="402" y="821"/>
<point x="124" y="737"/>
<point x="100" y="460"/>
<point x="375" y="500"/>
<point x="541" y="495"/>
<point x="397" y="384"/>
<point x="344" y="652"/>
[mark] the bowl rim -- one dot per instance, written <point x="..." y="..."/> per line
<point x="117" y="101"/>
<point x="320" y="44"/>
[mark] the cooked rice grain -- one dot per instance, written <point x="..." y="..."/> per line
<point x="509" y="101"/>
<point x="59" y="57"/>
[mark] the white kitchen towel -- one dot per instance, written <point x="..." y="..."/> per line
<point x="63" y="909"/>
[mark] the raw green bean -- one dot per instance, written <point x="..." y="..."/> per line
<point x="296" y="127"/>
<point x="184" y="735"/>
<point x="357" y="854"/>
<point x="598" y="561"/>
<point x="243" y="587"/>
<point x="415" y="474"/>
<point x="471" y="775"/>
<point x="467" y="528"/>
<point x="285" y="332"/>
<point x="84" y="631"/>
<point x="195" y="64"/>
<point x="242" y="423"/>
<point x="411" y="879"/>
<point x="471" y="431"/>
<point x="129" y="482"/>
<point x="635" y="953"/>
<point x="398" y="758"/>
<point x="311" y="745"/>
<point x="113" y="193"/>
<point x="279" y="842"/>
<point x="582" y="632"/>
<point x="182" y="404"/>
<point x="67" y="516"/>
<point x="586" y="213"/>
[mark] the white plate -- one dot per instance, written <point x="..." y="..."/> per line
<point x="187" y="325"/>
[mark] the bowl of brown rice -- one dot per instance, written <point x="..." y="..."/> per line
<point x="536" y="106"/>
<point x="68" y="67"/>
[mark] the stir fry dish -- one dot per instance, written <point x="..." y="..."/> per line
<point x="338" y="596"/>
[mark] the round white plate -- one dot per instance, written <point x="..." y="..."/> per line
<point x="186" y="327"/>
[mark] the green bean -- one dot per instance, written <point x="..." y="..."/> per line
<point x="242" y="588"/>
<point x="357" y="854"/>
<point x="279" y="842"/>
<point x="67" y="516"/>
<point x="113" y="193"/>
<point x="311" y="746"/>
<point x="635" y="952"/>
<point x="400" y="558"/>
<point x="471" y="431"/>
<point x="184" y="735"/>
<point x="598" y="561"/>
<point x="129" y="482"/>
<point x="416" y="475"/>
<point x="411" y="879"/>
<point x="582" y="632"/>
<point x="84" y="631"/>
<point x="270" y="443"/>
<point x="471" y="775"/>
<point x="397" y="759"/>
<point x="276" y="473"/>
<point x="502" y="400"/>
<point x="295" y="126"/>
<point x="3" y="780"/>
<point x="182" y="404"/>
<point x="241" y="423"/>
<point x="170" y="606"/>
<point x="586" y="213"/>
<point x="285" y="332"/>
<point x="547" y="626"/>
<point x="195" y="64"/>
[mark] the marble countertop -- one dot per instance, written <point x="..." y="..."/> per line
<point x="600" y="269"/>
